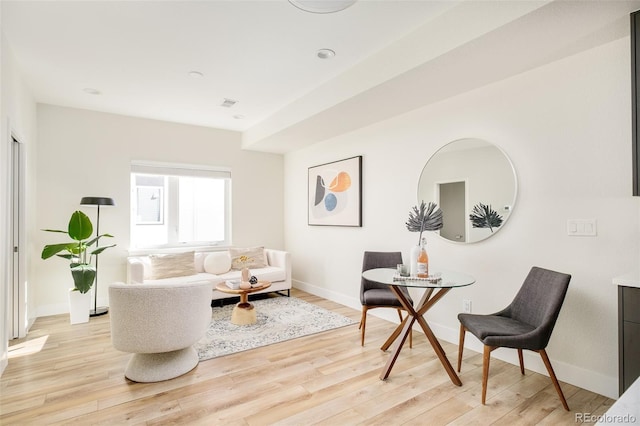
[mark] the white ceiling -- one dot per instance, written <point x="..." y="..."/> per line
<point x="392" y="56"/>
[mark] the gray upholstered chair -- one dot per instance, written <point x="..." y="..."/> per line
<point x="526" y="323"/>
<point x="159" y="323"/>
<point x="375" y="295"/>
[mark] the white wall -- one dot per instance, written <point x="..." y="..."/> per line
<point x="17" y="117"/>
<point x="85" y="153"/>
<point x="567" y="128"/>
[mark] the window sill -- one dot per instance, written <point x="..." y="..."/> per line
<point x="179" y="249"/>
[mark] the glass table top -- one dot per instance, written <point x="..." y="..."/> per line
<point x="437" y="278"/>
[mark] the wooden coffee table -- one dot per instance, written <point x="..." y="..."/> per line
<point x="244" y="312"/>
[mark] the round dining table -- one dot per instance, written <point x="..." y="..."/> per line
<point x="435" y="287"/>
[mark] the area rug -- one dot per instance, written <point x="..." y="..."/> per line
<point x="279" y="319"/>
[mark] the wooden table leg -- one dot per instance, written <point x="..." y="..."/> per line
<point x="394" y="356"/>
<point x="437" y="348"/>
<point x="411" y="314"/>
<point x="395" y="334"/>
<point x="426" y="302"/>
<point x="244" y="301"/>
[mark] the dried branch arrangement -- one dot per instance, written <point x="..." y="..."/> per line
<point x="424" y="218"/>
<point x="483" y="216"/>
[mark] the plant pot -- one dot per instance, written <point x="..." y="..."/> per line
<point x="79" y="306"/>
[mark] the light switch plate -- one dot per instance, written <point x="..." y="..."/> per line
<point x="582" y="227"/>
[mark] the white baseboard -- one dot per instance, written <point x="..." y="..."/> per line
<point x="61" y="308"/>
<point x="577" y="376"/>
<point x="326" y="294"/>
<point x="53" y="309"/>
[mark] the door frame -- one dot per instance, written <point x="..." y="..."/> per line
<point x="16" y="244"/>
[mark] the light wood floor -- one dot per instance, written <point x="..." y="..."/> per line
<point x="74" y="376"/>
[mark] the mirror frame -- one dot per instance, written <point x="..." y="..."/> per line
<point x="505" y="205"/>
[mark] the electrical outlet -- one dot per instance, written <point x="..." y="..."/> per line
<point x="466" y="306"/>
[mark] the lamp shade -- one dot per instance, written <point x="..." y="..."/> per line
<point x="97" y="201"/>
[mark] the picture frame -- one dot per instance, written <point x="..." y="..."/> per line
<point x="335" y="193"/>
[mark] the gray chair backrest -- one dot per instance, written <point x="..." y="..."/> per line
<point x="539" y="300"/>
<point x="377" y="259"/>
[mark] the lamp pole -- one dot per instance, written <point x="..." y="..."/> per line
<point x="95" y="311"/>
<point x="97" y="201"/>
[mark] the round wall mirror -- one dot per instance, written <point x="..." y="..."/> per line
<point x="474" y="184"/>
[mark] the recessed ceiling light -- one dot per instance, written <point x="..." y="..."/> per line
<point x="196" y="74"/>
<point x="322" y="6"/>
<point x="326" y="53"/>
<point x="91" y="91"/>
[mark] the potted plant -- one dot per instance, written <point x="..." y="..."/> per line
<point x="83" y="272"/>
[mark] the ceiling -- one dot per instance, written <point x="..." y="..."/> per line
<point x="392" y="56"/>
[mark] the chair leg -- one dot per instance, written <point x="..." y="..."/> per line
<point x="486" y="357"/>
<point x="547" y="364"/>
<point x="363" y="324"/>
<point x="521" y="359"/>
<point x="461" y="346"/>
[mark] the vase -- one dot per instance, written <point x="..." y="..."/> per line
<point x="79" y="306"/>
<point x="423" y="261"/>
<point x="413" y="260"/>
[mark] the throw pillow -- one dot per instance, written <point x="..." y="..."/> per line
<point x="172" y="265"/>
<point x="217" y="263"/>
<point x="252" y="257"/>
<point x="199" y="261"/>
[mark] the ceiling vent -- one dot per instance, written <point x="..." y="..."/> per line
<point x="228" y="103"/>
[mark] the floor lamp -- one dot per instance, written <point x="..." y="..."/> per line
<point x="97" y="201"/>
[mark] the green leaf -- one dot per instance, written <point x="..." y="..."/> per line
<point x="101" y="249"/>
<point x="68" y="256"/>
<point x="83" y="276"/>
<point x="55" y="230"/>
<point x="53" y="249"/>
<point x="95" y="240"/>
<point x="80" y="227"/>
<point x="78" y="248"/>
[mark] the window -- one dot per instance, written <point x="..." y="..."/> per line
<point x="179" y="205"/>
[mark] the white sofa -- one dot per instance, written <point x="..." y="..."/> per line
<point x="277" y="270"/>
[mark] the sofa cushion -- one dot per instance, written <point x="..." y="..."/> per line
<point x="172" y="265"/>
<point x="252" y="257"/>
<point x="199" y="261"/>
<point x="268" y="273"/>
<point x="202" y="276"/>
<point x="217" y="262"/>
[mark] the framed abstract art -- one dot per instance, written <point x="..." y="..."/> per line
<point x="335" y="193"/>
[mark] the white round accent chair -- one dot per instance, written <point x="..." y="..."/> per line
<point x="159" y="324"/>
